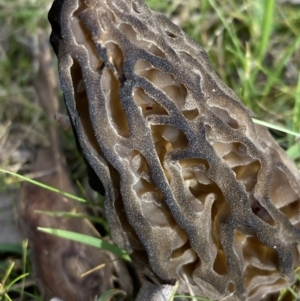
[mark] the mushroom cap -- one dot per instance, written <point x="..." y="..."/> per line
<point x="194" y="191"/>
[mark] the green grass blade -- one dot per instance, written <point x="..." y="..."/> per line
<point x="16" y="280"/>
<point x="277" y="73"/>
<point x="267" y="27"/>
<point x="109" y="294"/>
<point x="296" y="117"/>
<point x="294" y="151"/>
<point x="86" y="239"/>
<point x="172" y="297"/>
<point x="231" y="32"/>
<point x="192" y="297"/>
<point x="10" y="248"/>
<point x="74" y="215"/>
<point x="31" y="296"/>
<point x="42" y="185"/>
<point x="295" y="295"/>
<point x="275" y="127"/>
<point x="69" y="214"/>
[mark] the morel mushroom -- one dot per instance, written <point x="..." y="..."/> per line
<point x="194" y="191"/>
